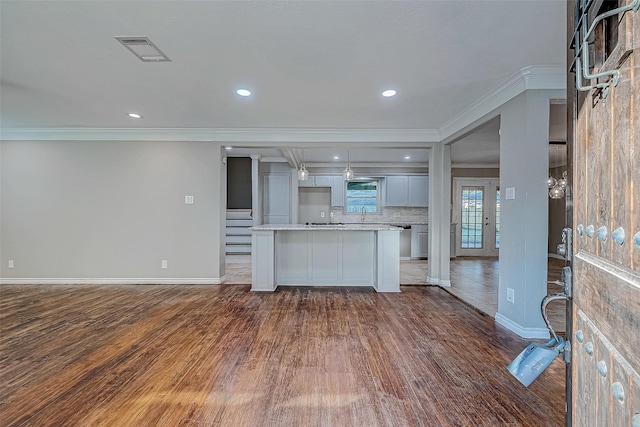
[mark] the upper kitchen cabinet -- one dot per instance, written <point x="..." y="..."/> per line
<point x="419" y="191"/>
<point x="337" y="191"/>
<point x="408" y="191"/>
<point x="317" y="181"/>
<point x="335" y="182"/>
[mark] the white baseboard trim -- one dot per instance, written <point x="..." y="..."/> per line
<point x="542" y="333"/>
<point x="120" y="281"/>
<point x="439" y="282"/>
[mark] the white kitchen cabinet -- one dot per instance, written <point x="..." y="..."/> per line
<point x="276" y="200"/>
<point x="397" y="190"/>
<point x="337" y="191"/>
<point x="317" y="181"/>
<point x="323" y="181"/>
<point x="407" y="191"/>
<point x="419" y="241"/>
<point x="311" y="182"/>
<point x="419" y="191"/>
<point x="336" y="183"/>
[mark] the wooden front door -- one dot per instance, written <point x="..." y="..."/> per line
<point x="604" y="136"/>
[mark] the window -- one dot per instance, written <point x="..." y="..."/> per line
<point x="362" y="194"/>
<point x="472" y="216"/>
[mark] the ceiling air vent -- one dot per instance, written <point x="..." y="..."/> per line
<point x="143" y="48"/>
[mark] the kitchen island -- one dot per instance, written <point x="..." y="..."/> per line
<point x="325" y="255"/>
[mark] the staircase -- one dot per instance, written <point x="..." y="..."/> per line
<point x="238" y="235"/>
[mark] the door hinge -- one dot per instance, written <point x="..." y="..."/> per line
<point x="567" y="281"/>
<point x="566" y="352"/>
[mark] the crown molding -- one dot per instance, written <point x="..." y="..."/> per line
<point x="266" y="135"/>
<point x="543" y="77"/>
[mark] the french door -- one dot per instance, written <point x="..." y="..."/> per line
<point x="477" y="216"/>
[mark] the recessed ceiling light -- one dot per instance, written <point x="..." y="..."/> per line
<point x="134" y="115"/>
<point x="388" y="93"/>
<point x="228" y="148"/>
<point x="336" y="157"/>
<point x="407" y="157"/>
<point x="243" y="92"/>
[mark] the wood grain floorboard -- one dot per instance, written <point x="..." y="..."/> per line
<point x="225" y="356"/>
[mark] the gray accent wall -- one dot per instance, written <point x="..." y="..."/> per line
<point x="111" y="210"/>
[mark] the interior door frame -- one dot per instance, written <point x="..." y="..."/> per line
<point x="488" y="239"/>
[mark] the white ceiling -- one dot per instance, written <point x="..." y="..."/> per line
<point x="318" y="65"/>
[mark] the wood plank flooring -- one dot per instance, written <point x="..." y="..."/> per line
<point x="225" y="356"/>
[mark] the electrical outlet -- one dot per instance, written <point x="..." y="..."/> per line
<point x="188" y="200"/>
<point x="510" y="295"/>
<point x="164" y="263"/>
<point x="10" y="263"/>
<point x="321" y="214"/>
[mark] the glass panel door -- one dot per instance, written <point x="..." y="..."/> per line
<point x="472" y="217"/>
<point x="477" y="216"/>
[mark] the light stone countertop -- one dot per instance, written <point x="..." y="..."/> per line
<point x="347" y="227"/>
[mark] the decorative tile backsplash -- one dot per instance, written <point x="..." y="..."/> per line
<point x="389" y="215"/>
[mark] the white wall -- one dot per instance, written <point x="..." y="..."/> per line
<point x="111" y="210"/>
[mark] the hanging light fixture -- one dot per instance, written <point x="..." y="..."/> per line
<point x="348" y="173"/>
<point x="562" y="182"/>
<point x="557" y="186"/>
<point x="303" y="173"/>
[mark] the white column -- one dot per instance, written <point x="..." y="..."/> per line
<point x="439" y="214"/>
<point x="524" y="158"/>
<point x="256" y="203"/>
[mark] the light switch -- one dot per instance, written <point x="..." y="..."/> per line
<point x="510" y="193"/>
<point x="188" y="200"/>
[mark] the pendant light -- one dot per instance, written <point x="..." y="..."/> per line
<point x="303" y="173"/>
<point x="348" y="173"/>
<point x="558" y="186"/>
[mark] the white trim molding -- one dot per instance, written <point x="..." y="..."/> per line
<point x="439" y="282"/>
<point x="533" y="77"/>
<point x="541" y="333"/>
<point x="120" y="281"/>
<point x="265" y="135"/>
<point x="549" y="77"/>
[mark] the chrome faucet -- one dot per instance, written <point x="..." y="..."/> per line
<point x="363" y="214"/>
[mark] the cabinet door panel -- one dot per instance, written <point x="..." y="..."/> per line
<point x="397" y="190"/>
<point x="419" y="191"/>
<point x="337" y="191"/>
<point x="323" y="181"/>
<point x="276" y="202"/>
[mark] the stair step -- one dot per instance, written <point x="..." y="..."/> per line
<point x="239" y="214"/>
<point x="238" y="240"/>
<point x="239" y="223"/>
<point x="238" y="231"/>
<point x="238" y="249"/>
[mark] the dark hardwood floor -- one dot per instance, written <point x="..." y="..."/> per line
<point x="224" y="356"/>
